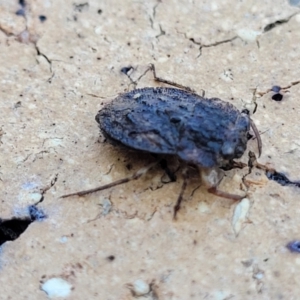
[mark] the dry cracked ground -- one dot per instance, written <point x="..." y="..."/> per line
<point x="60" y="62"/>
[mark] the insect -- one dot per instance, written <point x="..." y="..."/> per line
<point x="201" y="132"/>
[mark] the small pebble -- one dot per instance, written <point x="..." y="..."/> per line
<point x="106" y="206"/>
<point x="248" y="35"/>
<point x="240" y="215"/>
<point x="276" y="88"/>
<point x="63" y="239"/>
<point x="57" y="287"/>
<point x="140" y="288"/>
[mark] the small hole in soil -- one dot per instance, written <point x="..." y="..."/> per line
<point x="11" y="229"/>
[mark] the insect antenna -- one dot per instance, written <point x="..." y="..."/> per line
<point x="169" y="82"/>
<point x="257" y="135"/>
<point x="170" y="174"/>
<point x="255" y="130"/>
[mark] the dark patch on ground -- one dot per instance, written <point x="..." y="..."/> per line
<point x="11" y="229"/>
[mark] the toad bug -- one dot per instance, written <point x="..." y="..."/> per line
<point x="206" y="133"/>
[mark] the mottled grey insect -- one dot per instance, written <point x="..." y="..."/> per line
<point x="206" y="133"/>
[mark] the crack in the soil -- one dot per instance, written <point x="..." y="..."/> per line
<point x="154" y="8"/>
<point x="25" y="36"/>
<point x="271" y="173"/>
<point x="151" y="18"/>
<point x="80" y="7"/>
<point x="1" y="135"/>
<point x="37" y="155"/>
<point x="212" y="44"/>
<point x="39" y="53"/>
<point x="278" y="88"/>
<point x="151" y="22"/>
<point x="267" y="28"/>
<point x="11" y="229"/>
<point x="44" y="190"/>
<point x="127" y="70"/>
<point x="279" y="22"/>
<point x="162" y="32"/>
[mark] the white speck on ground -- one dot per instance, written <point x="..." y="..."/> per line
<point x="140" y="287"/>
<point x="248" y="35"/>
<point x="57" y="287"/>
<point x="240" y="215"/>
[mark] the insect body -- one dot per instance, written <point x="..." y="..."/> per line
<point x="206" y="133"/>
<point x="203" y="132"/>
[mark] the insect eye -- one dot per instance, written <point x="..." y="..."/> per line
<point x="239" y="151"/>
<point x="245" y="111"/>
<point x="243" y="122"/>
<point x="227" y="150"/>
<point x="175" y="120"/>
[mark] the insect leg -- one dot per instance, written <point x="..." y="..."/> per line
<point x="256" y="132"/>
<point x="212" y="178"/>
<point x="164" y="166"/>
<point x="158" y="79"/>
<point x="134" y="176"/>
<point x="232" y="164"/>
<point x="252" y="162"/>
<point x="183" y="187"/>
<point x="215" y="191"/>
